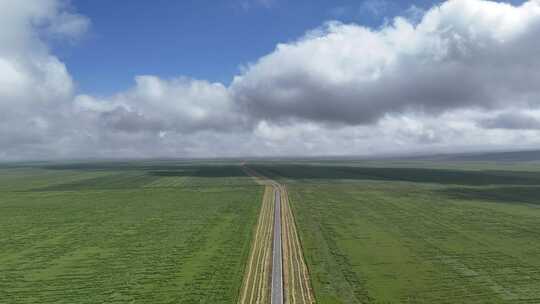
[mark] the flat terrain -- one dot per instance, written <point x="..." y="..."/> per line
<point x="276" y="272"/>
<point x="196" y="232"/>
<point x="297" y="280"/>
<point x="125" y="233"/>
<point x="417" y="234"/>
<point x="257" y="277"/>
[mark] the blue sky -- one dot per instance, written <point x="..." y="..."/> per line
<point x="201" y="39"/>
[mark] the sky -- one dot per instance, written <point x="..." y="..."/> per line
<point x="115" y="79"/>
<point x="203" y="39"/>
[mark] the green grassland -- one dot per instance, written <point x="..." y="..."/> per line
<point x="144" y="232"/>
<point x="420" y="233"/>
<point x="180" y="231"/>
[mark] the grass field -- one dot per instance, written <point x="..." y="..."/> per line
<point x="417" y="235"/>
<point x="256" y="286"/>
<point x="297" y="281"/>
<point x="125" y="233"/>
<point x="181" y="232"/>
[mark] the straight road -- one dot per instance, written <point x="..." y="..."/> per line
<point x="276" y="271"/>
<point x="277" y="266"/>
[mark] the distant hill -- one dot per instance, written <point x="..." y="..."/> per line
<point x="514" y="156"/>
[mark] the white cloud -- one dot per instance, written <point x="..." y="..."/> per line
<point x="35" y="86"/>
<point x="12" y="81"/>
<point x="68" y="25"/>
<point x="463" y="75"/>
<point x="29" y="72"/>
<point x="153" y="105"/>
<point x="463" y="54"/>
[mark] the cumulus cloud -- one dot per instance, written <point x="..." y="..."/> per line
<point x="463" y="75"/>
<point x="462" y="54"/>
<point x="35" y="86"/>
<point x="512" y="121"/>
<point x="155" y="105"/>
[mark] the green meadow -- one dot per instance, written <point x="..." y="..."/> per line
<point x="124" y="232"/>
<point x="418" y="233"/>
<point x="180" y="231"/>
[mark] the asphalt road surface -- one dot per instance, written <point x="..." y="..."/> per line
<point x="277" y="267"/>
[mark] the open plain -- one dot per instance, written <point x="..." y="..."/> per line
<point x="125" y="233"/>
<point x="417" y="234"/>
<point x="203" y="232"/>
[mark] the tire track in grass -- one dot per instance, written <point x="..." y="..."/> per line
<point x="248" y="274"/>
<point x="299" y="290"/>
<point x="263" y="290"/>
<point x="257" y="281"/>
<point x="256" y="260"/>
<point x="255" y="288"/>
<point x="290" y="294"/>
